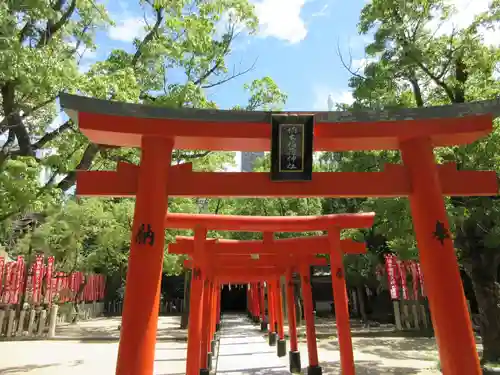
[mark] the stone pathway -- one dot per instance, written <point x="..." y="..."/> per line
<point x="91" y="348"/>
<point x="243" y="350"/>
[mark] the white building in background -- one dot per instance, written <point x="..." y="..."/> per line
<point x="248" y="160"/>
<point x="45" y="174"/>
<point x="330" y="102"/>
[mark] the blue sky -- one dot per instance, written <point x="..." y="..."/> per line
<point x="296" y="45"/>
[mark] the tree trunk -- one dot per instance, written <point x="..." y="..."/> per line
<point x="361" y="299"/>
<point x="76" y="301"/>
<point x="483" y="273"/>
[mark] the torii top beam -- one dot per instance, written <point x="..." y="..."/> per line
<point x="124" y="124"/>
<point x="270" y="262"/>
<point x="269" y="223"/>
<point x="292" y="247"/>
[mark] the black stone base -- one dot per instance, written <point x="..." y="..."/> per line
<point x="217" y="327"/>
<point x="281" y="348"/>
<point x="263" y="326"/>
<point x="314" y="370"/>
<point x="212" y="346"/>
<point x="295" y="366"/>
<point x="272" y="338"/>
<point x="256" y="319"/>
<point x="204" y="371"/>
<point x="209" y="361"/>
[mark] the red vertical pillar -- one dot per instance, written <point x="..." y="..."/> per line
<point x="142" y="295"/>
<point x="217" y="325"/>
<point x="454" y="335"/>
<point x="341" y="303"/>
<point x="312" y="349"/>
<point x="257" y="302"/>
<point x="196" y="306"/>
<point x="281" y="347"/>
<point x="213" y="318"/>
<point x="249" y="302"/>
<point x="294" y="355"/>
<point x="205" y="334"/>
<point x="252" y="299"/>
<point x="263" y="324"/>
<point x="272" y="313"/>
<point x="213" y="311"/>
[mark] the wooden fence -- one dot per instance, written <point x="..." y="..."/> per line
<point x="41" y="322"/>
<point x="169" y="307"/>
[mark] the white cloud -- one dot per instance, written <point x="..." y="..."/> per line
<point x="281" y="19"/>
<point x="127" y="29"/>
<point x="358" y="65"/>
<point x="322" y="13"/>
<point x="496" y="71"/>
<point x="321" y="93"/>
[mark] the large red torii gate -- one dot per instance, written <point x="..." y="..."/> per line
<point x="414" y="131"/>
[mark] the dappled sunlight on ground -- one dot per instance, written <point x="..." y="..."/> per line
<point x="91" y="348"/>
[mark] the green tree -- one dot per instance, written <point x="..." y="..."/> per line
<point x="412" y="65"/>
<point x="42" y="44"/>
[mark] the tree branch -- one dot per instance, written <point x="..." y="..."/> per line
<point x="227" y="40"/>
<point x="348" y="67"/>
<point x="85" y="163"/>
<point x="417" y="92"/>
<point x="149" y="37"/>
<point x="233" y="76"/>
<point x="53" y="28"/>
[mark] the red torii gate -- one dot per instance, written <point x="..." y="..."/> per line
<point x="414" y="131"/>
<point x="230" y="254"/>
<point x="242" y="271"/>
<point x="330" y="244"/>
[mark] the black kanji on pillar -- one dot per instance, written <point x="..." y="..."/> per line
<point x="144" y="236"/>
<point x="441" y="233"/>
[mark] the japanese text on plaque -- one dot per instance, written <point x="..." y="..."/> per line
<point x="291" y="147"/>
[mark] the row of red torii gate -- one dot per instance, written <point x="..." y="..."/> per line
<point x="262" y="263"/>
<point x="292" y="138"/>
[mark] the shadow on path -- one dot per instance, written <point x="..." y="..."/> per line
<point x="367" y="368"/>
<point x="29" y="368"/>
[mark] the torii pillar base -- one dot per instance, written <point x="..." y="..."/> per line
<point x="314" y="370"/>
<point x="263" y="326"/>
<point x="281" y="348"/>
<point x="272" y="338"/>
<point x="295" y="365"/>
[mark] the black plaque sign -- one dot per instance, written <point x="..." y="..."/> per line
<point x="292" y="147"/>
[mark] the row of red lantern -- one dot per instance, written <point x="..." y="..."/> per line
<point x="39" y="289"/>
<point x="397" y="272"/>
